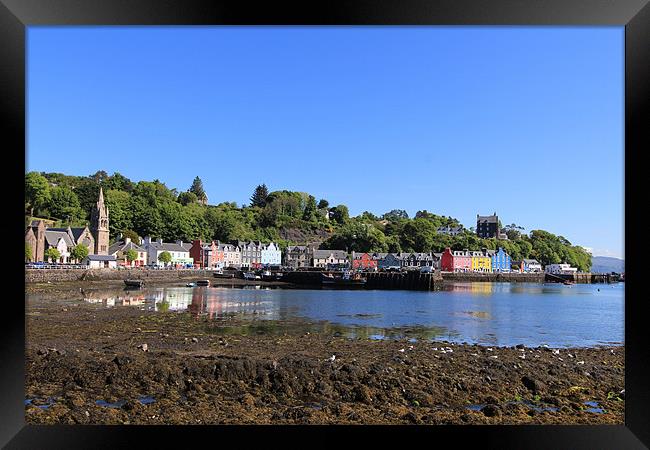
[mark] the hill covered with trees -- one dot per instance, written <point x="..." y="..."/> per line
<point x="150" y="208"/>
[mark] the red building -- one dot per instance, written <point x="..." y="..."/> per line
<point x="456" y="261"/>
<point x="206" y="255"/>
<point x="363" y="261"/>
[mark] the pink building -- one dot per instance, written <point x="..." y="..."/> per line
<point x="456" y="261"/>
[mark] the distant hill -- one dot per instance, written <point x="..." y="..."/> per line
<point x="607" y="264"/>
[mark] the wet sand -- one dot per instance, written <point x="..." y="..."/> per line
<point x="87" y="364"/>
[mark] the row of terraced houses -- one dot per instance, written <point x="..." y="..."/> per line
<point x="449" y="261"/>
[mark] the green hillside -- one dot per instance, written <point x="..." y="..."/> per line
<point x="150" y="208"/>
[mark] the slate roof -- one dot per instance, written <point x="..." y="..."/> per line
<point x="172" y="246"/>
<point x="338" y="254"/>
<point x="121" y="246"/>
<point x="487" y="219"/>
<point x="52" y="238"/>
<point x="101" y="258"/>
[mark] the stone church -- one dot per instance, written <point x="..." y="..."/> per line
<point x="94" y="237"/>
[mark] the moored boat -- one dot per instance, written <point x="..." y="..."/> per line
<point x="223" y="275"/>
<point x="203" y="282"/>
<point x="346" y="281"/>
<point x="134" y="283"/>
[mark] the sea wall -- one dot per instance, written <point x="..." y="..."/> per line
<point x="56" y="275"/>
<point x="513" y="277"/>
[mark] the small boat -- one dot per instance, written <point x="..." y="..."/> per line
<point x="347" y="281"/>
<point x="568" y="283"/>
<point x="190" y="285"/>
<point x="203" y="283"/>
<point x="223" y="275"/>
<point x="134" y="283"/>
<point x="269" y="276"/>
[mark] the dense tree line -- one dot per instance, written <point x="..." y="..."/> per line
<point x="150" y="208"/>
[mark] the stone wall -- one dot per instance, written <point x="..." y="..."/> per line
<point x="56" y="275"/>
<point x="512" y="277"/>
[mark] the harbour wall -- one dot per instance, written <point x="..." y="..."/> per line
<point x="412" y="281"/>
<point x="512" y="277"/>
<point x="375" y="280"/>
<point x="57" y="275"/>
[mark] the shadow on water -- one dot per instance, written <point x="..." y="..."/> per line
<point x="300" y="327"/>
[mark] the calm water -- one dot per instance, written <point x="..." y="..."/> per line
<point x="484" y="313"/>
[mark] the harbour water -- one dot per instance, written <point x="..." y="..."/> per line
<point x="498" y="314"/>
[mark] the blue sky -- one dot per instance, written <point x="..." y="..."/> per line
<point x="524" y="121"/>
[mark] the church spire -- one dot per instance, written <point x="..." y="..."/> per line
<point x="101" y="196"/>
<point x="99" y="225"/>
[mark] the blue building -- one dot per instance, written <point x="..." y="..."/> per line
<point x="500" y="261"/>
<point x="392" y="261"/>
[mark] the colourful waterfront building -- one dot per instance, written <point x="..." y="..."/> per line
<point x="391" y="261"/>
<point x="481" y="261"/>
<point x="501" y="261"/>
<point x="456" y="260"/>
<point x="206" y="255"/>
<point x="363" y="261"/>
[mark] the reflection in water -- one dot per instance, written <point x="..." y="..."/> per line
<point x="484" y="313"/>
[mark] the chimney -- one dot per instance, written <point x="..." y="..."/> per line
<point x="147" y="240"/>
<point x="127" y="240"/>
<point x="179" y="242"/>
<point x="159" y="241"/>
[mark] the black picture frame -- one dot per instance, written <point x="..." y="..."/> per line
<point x="16" y="15"/>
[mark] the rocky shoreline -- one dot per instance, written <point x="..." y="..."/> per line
<point x="93" y="365"/>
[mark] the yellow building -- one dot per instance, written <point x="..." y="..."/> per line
<point x="481" y="262"/>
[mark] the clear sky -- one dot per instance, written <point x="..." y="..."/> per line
<point x="524" y="121"/>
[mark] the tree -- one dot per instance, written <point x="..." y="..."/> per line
<point x="197" y="189"/>
<point x="396" y="214"/>
<point x="309" y="213"/>
<point x="357" y="237"/>
<point x="52" y="254"/>
<point x="418" y="235"/>
<point x="513" y="231"/>
<point x="118" y="182"/>
<point x="165" y="257"/>
<point x="368" y="216"/>
<point x="119" y="205"/>
<point x="340" y="214"/>
<point x="99" y="176"/>
<point x="131" y="255"/>
<point x="64" y="204"/>
<point x="79" y="252"/>
<point x="260" y="195"/>
<point x="185" y="198"/>
<point x="37" y="192"/>
<point x="131" y="235"/>
<point x="322" y="204"/>
<point x="29" y="253"/>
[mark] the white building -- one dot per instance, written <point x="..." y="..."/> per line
<point x="179" y="251"/>
<point x="100" y="261"/>
<point x="271" y="255"/>
<point x="324" y="257"/>
<point x="231" y="255"/>
<point x="560" y="269"/>
<point x="61" y="241"/>
<point x="450" y="231"/>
